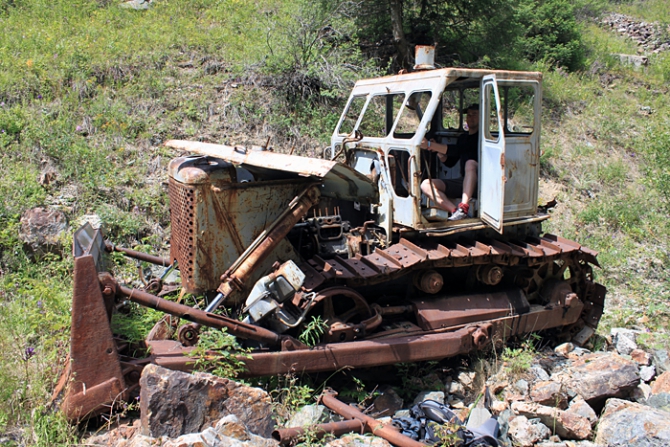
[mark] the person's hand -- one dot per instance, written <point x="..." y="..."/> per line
<point x="425" y="144"/>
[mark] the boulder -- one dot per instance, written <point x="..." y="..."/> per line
<point x="661" y="384"/>
<point x="647" y="373"/>
<point x="579" y="406"/>
<point x="388" y="402"/>
<point x="525" y="433"/>
<point x="567" y="425"/>
<point x="630" y="424"/>
<point x="643" y="358"/>
<point x="599" y="376"/>
<point x="564" y="349"/>
<point x="358" y="441"/>
<point x="437" y="396"/>
<point x="41" y="229"/>
<point x="306" y="416"/>
<point x="661" y="360"/>
<point x="660" y="401"/>
<point x="549" y="393"/>
<point x="624" y="340"/>
<point x="173" y="403"/>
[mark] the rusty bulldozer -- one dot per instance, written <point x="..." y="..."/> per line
<point x="272" y="242"/>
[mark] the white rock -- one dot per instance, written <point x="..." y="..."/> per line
<point x="647" y="373"/>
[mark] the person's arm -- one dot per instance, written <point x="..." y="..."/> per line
<point x="433" y="146"/>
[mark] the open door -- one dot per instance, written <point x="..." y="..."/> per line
<point x="492" y="157"/>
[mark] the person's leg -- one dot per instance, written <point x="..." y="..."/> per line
<point x="435" y="192"/>
<point x="470" y="180"/>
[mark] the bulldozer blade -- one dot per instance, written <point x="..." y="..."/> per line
<point x="94" y="378"/>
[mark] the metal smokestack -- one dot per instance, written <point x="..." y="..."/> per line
<point x="424" y="57"/>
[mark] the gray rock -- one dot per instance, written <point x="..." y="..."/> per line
<point x="524" y="433"/>
<point x="539" y="372"/>
<point x="429" y="395"/>
<point x="457" y="388"/>
<point x="401" y="413"/>
<point x="660" y="401"/>
<point x="579" y="406"/>
<point x="566" y="424"/>
<point x="388" y="402"/>
<point x="307" y="415"/>
<point x="189" y="440"/>
<point x="467" y="379"/>
<point x="521" y="386"/>
<point x="359" y="441"/>
<point x="630" y="424"/>
<point x="599" y="376"/>
<point x="549" y="393"/>
<point x="477" y="417"/>
<point x="173" y="403"/>
<point x="624" y="340"/>
<point x="647" y="373"/>
<point x="137" y="441"/>
<point x="137" y="4"/>
<point x="41" y="230"/>
<point x="234" y="435"/>
<point x="661" y="360"/>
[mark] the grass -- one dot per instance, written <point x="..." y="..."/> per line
<point x="89" y="91"/>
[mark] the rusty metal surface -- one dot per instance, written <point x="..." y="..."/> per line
<point x="234" y="327"/>
<point x="400" y="258"/>
<point x="288" y="436"/>
<point x="94" y="370"/>
<point x="214" y="222"/>
<point x="248" y="264"/>
<point x="377" y="428"/>
<point x="362" y="353"/>
<point x="456" y="310"/>
<point x="157" y="260"/>
<point x="339" y="181"/>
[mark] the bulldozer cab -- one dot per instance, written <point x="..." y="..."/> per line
<point x="386" y="119"/>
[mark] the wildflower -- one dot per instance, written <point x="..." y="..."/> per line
<point x="79" y="129"/>
<point x="39" y="304"/>
<point x="29" y="63"/>
<point x="39" y="96"/>
<point x="28" y="353"/>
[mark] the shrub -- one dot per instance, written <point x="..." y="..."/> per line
<point x="551" y="33"/>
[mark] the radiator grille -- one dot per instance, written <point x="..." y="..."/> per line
<point x="182" y="214"/>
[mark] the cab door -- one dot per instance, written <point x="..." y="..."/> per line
<point x="492" y="157"/>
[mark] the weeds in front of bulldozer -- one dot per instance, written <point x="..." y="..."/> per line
<point x="219" y="353"/>
<point x="313" y="331"/>
<point x="518" y="359"/>
<point x="289" y="393"/>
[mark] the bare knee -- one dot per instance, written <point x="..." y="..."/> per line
<point x="471" y="167"/>
<point x="427" y="187"/>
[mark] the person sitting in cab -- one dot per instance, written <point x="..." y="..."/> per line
<point x="467" y="151"/>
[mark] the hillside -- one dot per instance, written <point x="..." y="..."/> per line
<point x="89" y="92"/>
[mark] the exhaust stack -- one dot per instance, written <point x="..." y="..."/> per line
<point x="424" y="57"/>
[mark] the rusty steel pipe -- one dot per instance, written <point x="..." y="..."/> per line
<point x="286" y="436"/>
<point x="138" y="255"/>
<point x="234" y="327"/>
<point x="241" y="271"/>
<point x="371" y="425"/>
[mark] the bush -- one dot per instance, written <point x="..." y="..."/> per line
<point x="551" y="33"/>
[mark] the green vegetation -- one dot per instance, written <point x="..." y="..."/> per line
<point x="89" y="91"/>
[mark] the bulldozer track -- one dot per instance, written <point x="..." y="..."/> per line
<point x="405" y="256"/>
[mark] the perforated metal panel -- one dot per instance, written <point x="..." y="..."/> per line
<point x="182" y="214"/>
